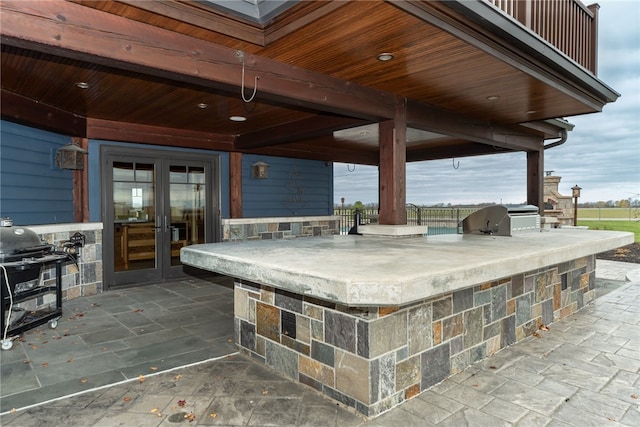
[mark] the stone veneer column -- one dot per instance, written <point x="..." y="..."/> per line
<point x="374" y="358"/>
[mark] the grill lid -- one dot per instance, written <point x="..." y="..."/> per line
<point x="16" y="242"/>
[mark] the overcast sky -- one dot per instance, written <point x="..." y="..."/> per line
<point x="601" y="155"/>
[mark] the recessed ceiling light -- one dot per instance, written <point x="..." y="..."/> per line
<point x="385" y="57"/>
<point x="203" y="105"/>
<point x="82" y="85"/>
<point x="237" y="118"/>
<point x="493" y="97"/>
<point x="531" y="111"/>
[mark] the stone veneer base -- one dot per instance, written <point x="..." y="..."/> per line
<point x="374" y="358"/>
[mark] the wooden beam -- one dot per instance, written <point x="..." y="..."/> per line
<point x="235" y="184"/>
<point x="535" y="179"/>
<point x="308" y="127"/>
<point x="459" y="149"/>
<point x="425" y="117"/>
<point x="146" y="134"/>
<point x="19" y="109"/>
<point x="393" y="136"/>
<point x="82" y="33"/>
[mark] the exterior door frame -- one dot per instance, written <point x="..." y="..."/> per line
<point x="162" y="158"/>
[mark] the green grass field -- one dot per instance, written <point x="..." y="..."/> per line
<point x="631" y="226"/>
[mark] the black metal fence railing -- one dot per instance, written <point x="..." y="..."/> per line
<point x="438" y="220"/>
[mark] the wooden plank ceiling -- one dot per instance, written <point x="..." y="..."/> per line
<point x="455" y="90"/>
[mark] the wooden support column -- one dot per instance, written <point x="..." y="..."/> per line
<point x="235" y="185"/>
<point x="535" y="179"/>
<point x="81" y="186"/>
<point x="392" y="169"/>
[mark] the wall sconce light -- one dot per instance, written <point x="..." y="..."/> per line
<point x="260" y="170"/>
<point x="70" y="156"/>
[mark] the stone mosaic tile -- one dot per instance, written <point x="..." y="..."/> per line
<point x="462" y="300"/>
<point x="340" y="330"/>
<point x="281" y="359"/>
<point x="419" y="328"/>
<point x="442" y="308"/>
<point x="408" y="372"/>
<point x="350" y="380"/>
<point x="323" y="353"/>
<point x="268" y="321"/>
<point x="498" y="302"/>
<point x="434" y="365"/>
<point x="390" y="332"/>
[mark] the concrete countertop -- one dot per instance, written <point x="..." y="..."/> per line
<point x="377" y="271"/>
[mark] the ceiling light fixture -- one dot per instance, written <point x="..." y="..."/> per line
<point x="493" y="97"/>
<point x="237" y="118"/>
<point x="385" y="57"/>
<point x="82" y="85"/>
<point x="203" y="105"/>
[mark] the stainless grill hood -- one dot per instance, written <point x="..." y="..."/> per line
<point x="502" y="220"/>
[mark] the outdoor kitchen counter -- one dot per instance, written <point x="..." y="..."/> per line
<point x="379" y="271"/>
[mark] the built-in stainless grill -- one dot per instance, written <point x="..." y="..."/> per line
<point x="22" y="258"/>
<point x="502" y="220"/>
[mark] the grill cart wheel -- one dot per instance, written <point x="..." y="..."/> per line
<point x="7" y="344"/>
<point x="53" y="323"/>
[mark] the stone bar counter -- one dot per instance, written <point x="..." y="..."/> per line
<point x="372" y="321"/>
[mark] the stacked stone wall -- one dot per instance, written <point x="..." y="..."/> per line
<point x="374" y="358"/>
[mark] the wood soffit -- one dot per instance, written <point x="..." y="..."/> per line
<point x="151" y="66"/>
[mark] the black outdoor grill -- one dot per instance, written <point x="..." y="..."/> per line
<point x="22" y="258"/>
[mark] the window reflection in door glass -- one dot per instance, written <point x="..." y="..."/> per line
<point x="134" y="216"/>
<point x="187" y="204"/>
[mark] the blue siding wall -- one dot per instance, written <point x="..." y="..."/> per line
<point x="294" y="187"/>
<point x="32" y="189"/>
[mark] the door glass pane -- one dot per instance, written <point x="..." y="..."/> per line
<point x="134" y="215"/>
<point x="187" y="205"/>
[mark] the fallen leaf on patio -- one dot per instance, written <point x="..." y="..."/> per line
<point x="213" y="415"/>
<point x="26" y="362"/>
<point x="45" y="364"/>
<point x="69" y="360"/>
<point x="13" y="410"/>
<point x="611" y="419"/>
<point x="127" y="399"/>
<point x="138" y="310"/>
<point x="105" y="348"/>
<point x="44" y="342"/>
<point x="34" y="347"/>
<point x="544" y="328"/>
<point x="634" y="396"/>
<point x="537" y="335"/>
<point x="182" y="402"/>
<point x="229" y="340"/>
<point x="154" y="410"/>
<point x="141" y="378"/>
<point x="475" y="385"/>
<point x="178" y="377"/>
<point x="95" y="305"/>
<point x="265" y="392"/>
<point x="153" y="368"/>
<point x="492" y="367"/>
<point x="190" y="416"/>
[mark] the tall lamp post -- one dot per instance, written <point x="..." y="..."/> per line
<point x="575" y="190"/>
